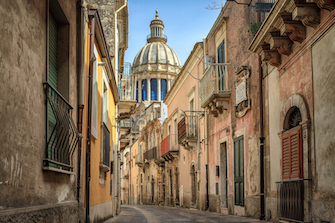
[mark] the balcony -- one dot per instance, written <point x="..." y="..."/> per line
<point x="126" y="103"/>
<point x="124" y="128"/>
<point x="62" y="134"/>
<point x="188" y="132"/>
<point x="151" y="154"/>
<point x="290" y="198"/>
<point x="139" y="160"/>
<point x="104" y="165"/>
<point x="213" y="90"/>
<point x="170" y="147"/>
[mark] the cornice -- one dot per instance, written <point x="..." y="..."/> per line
<point x="180" y="79"/>
<point x="218" y="22"/>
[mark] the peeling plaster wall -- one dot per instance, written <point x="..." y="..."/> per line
<point x="23" y="52"/>
<point x="323" y="54"/>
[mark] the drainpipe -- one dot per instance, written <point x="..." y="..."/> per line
<point x="89" y="104"/>
<point x="81" y="82"/>
<point x="261" y="138"/>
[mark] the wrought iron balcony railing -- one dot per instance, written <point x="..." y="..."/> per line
<point x="125" y="123"/>
<point x="188" y="131"/>
<point x="151" y="154"/>
<point x="62" y="134"/>
<point x="106" y="145"/>
<point x="213" y="84"/>
<point x="139" y="159"/>
<point x="290" y="198"/>
<point x="170" y="143"/>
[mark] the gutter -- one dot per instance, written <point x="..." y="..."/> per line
<point x="261" y="138"/>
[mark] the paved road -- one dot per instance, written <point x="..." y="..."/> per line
<point x="162" y="214"/>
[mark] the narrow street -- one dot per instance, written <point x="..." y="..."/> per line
<point x="162" y="214"/>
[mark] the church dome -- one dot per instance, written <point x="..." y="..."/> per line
<point x="156" y="55"/>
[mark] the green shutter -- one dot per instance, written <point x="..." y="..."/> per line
<point x="52" y="80"/>
<point x="239" y="170"/>
<point x="221" y="59"/>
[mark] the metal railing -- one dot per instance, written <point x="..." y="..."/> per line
<point x="125" y="85"/>
<point x="125" y="123"/>
<point x="187" y="128"/>
<point x="138" y="158"/>
<point x="62" y="134"/>
<point x="105" y="145"/>
<point x="290" y="198"/>
<point x="151" y="154"/>
<point x="170" y="143"/>
<point x="264" y="5"/>
<point x="164" y="37"/>
<point x="214" y="81"/>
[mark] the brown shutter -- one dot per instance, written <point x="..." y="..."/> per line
<point x="292" y="153"/>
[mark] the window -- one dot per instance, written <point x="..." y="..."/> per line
<point x="292" y="145"/>
<point x="153" y="88"/>
<point x="239" y="170"/>
<point x="136" y="91"/>
<point x="221" y="59"/>
<point x="94" y="129"/>
<point x="62" y="134"/>
<point x="144" y="90"/>
<point x="163" y="89"/>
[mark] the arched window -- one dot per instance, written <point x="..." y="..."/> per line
<point x="153" y="87"/>
<point x="136" y="91"/>
<point x="163" y="89"/>
<point x="144" y="90"/>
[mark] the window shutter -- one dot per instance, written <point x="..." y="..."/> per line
<point x="52" y="80"/>
<point x="239" y="170"/>
<point x="94" y="122"/>
<point x="292" y="153"/>
<point x="221" y="59"/>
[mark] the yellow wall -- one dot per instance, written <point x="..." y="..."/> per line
<point x="99" y="193"/>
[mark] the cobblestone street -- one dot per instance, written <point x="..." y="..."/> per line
<point x="162" y="214"/>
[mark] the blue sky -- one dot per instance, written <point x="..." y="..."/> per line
<point x="186" y="22"/>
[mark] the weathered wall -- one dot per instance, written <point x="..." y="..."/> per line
<point x="23" y="108"/>
<point x="323" y="54"/>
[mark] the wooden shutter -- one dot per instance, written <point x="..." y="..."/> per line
<point x="52" y="80"/>
<point x="292" y="153"/>
<point x="239" y="170"/>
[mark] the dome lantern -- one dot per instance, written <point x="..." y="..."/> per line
<point x="157" y="31"/>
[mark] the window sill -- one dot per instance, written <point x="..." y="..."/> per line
<point x="49" y="168"/>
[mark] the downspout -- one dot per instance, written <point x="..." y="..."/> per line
<point x="206" y="137"/>
<point x="261" y="138"/>
<point x="89" y="104"/>
<point x="81" y="82"/>
<point x="198" y="109"/>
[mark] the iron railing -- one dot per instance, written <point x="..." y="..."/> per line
<point x="126" y="82"/>
<point x="62" y="133"/>
<point x="170" y="143"/>
<point x="151" y="154"/>
<point x="187" y="128"/>
<point x="125" y="123"/>
<point x="138" y="158"/>
<point x="164" y="37"/>
<point x="290" y="200"/>
<point x="105" y="145"/>
<point x="214" y="81"/>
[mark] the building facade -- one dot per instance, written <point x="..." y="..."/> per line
<point x="297" y="52"/>
<point x="40" y="166"/>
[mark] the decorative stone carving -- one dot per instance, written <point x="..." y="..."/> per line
<point x="272" y="56"/>
<point x="308" y="14"/>
<point x="326" y="4"/>
<point x="242" y="91"/>
<point x="294" y="30"/>
<point x="282" y="43"/>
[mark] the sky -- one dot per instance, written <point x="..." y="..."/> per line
<point x="186" y="22"/>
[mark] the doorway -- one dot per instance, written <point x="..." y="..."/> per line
<point x="223" y="175"/>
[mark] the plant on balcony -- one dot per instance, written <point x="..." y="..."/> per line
<point x="254" y="26"/>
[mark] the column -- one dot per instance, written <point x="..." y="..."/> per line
<point x="159" y="89"/>
<point x="139" y="90"/>
<point x="134" y="87"/>
<point x="168" y="84"/>
<point x="148" y="89"/>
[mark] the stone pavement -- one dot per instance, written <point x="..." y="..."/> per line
<point x="163" y="214"/>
